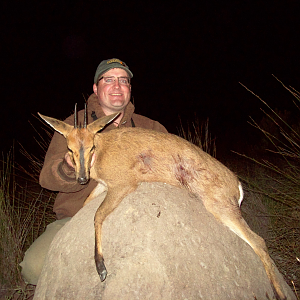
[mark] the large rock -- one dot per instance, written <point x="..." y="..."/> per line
<point x="160" y="243"/>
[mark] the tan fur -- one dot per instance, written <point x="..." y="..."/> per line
<point x="126" y="157"/>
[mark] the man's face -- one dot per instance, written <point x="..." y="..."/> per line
<point x="113" y="97"/>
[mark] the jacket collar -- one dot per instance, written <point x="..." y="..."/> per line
<point x="94" y="106"/>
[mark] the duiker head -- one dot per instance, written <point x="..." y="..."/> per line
<point x="80" y="141"/>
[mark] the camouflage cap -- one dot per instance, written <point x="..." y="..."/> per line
<point x="108" y="64"/>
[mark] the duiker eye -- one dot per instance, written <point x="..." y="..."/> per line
<point x="92" y="149"/>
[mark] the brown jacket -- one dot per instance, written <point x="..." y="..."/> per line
<point x="57" y="175"/>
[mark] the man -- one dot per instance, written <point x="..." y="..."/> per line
<point x="112" y="92"/>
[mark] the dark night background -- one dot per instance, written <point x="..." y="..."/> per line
<point x="187" y="57"/>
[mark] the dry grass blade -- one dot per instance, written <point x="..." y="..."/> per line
<point x="199" y="135"/>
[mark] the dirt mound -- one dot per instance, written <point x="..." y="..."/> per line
<point x="160" y="243"/>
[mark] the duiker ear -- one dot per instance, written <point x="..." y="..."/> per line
<point x="58" y="125"/>
<point x="102" y="122"/>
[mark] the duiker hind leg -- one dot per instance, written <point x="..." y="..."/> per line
<point x="235" y="222"/>
<point x="113" y="198"/>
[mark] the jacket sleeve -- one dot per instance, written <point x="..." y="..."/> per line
<point x="159" y="127"/>
<point x="144" y="122"/>
<point x="56" y="174"/>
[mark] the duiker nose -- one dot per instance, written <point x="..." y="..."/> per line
<point x="82" y="180"/>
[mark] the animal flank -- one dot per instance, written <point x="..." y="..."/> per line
<point x="123" y="158"/>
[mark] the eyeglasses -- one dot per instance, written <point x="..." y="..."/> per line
<point x="112" y="80"/>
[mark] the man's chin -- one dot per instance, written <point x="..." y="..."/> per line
<point x="118" y="107"/>
<point x="118" y="104"/>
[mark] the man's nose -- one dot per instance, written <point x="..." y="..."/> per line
<point x="116" y="83"/>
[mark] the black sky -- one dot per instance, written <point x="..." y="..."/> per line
<point x="187" y="57"/>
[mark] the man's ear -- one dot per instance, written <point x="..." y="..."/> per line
<point x="95" y="89"/>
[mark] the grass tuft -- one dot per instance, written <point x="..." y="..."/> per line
<point x="199" y="135"/>
<point x="25" y="211"/>
<point x="276" y="178"/>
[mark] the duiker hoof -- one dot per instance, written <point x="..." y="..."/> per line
<point x="101" y="270"/>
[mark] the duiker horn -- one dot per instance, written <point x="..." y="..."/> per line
<point x="75" y="117"/>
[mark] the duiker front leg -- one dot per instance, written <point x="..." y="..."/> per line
<point x="97" y="191"/>
<point x="113" y="198"/>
